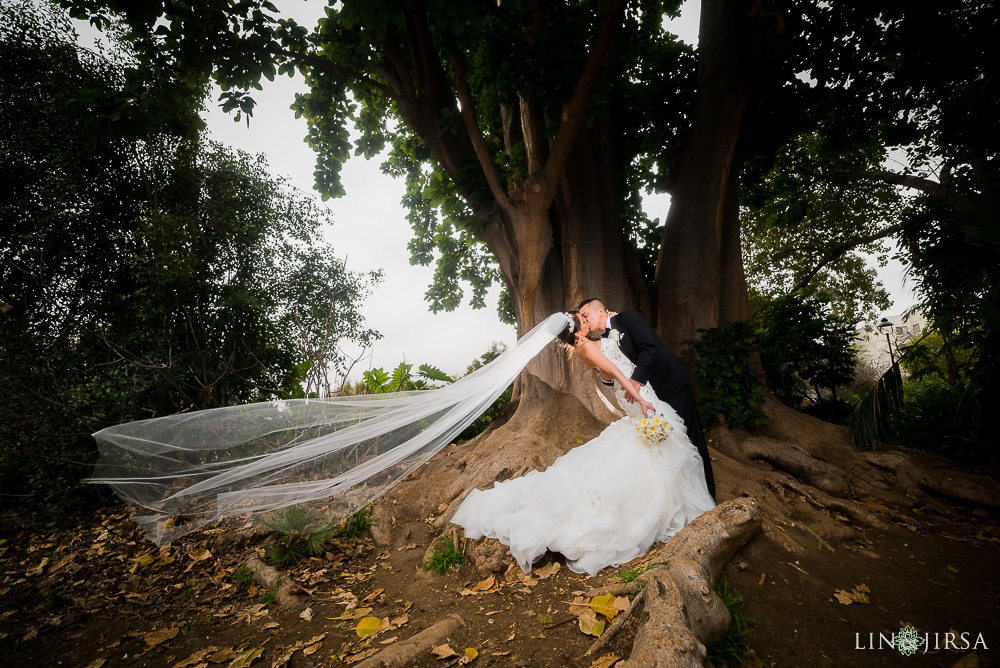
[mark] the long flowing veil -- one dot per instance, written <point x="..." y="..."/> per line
<point x="198" y="468"/>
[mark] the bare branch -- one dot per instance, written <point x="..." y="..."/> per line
<point x="573" y="111"/>
<point x="842" y="248"/>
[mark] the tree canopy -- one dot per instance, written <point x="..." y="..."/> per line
<point x="142" y="276"/>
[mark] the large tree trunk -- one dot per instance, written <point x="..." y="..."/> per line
<point x="587" y="258"/>
<point x="699" y="273"/>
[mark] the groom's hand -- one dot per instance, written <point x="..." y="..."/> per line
<point x="637" y="386"/>
<point x="605" y="377"/>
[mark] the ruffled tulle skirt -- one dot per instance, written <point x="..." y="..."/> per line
<point x="602" y="504"/>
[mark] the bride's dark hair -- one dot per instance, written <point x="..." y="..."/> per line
<point x="568" y="335"/>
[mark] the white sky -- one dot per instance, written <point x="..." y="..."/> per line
<point x="370" y="229"/>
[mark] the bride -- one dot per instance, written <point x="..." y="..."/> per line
<point x="603" y="503"/>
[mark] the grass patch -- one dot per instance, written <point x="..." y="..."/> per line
<point x="626" y="574"/>
<point x="269" y="596"/>
<point x="358" y="523"/>
<point x="242" y="574"/>
<point x="734" y="648"/>
<point x="444" y="557"/>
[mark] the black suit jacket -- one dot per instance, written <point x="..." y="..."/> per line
<point x="654" y="363"/>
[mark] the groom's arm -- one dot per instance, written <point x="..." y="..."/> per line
<point x="644" y="339"/>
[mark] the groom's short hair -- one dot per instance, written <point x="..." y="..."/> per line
<point x="588" y="300"/>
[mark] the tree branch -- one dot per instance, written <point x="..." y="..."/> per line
<point x="476" y="134"/>
<point x="573" y="110"/>
<point x="842" y="248"/>
<point x="932" y="188"/>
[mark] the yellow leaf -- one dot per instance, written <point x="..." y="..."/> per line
<point x="604" y="605"/>
<point x="246" y="657"/>
<point x="470" y="655"/>
<point x="369" y="626"/>
<point x="161" y="635"/>
<point x="443" y="652"/>
<point x="485" y="584"/>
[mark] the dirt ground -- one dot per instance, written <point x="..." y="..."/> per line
<point x="90" y="592"/>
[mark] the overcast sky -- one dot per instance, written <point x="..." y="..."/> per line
<point x="370" y="228"/>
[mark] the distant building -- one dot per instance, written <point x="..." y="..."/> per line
<point x="872" y="346"/>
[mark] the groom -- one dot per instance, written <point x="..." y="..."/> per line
<point x="655" y="364"/>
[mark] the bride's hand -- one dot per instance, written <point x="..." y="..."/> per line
<point x="646" y="407"/>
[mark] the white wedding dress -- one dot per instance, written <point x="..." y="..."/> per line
<point x="603" y="503"/>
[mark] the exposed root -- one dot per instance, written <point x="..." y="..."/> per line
<point x="290" y="594"/>
<point x="408" y="652"/>
<point x="682" y="614"/>
<point x="800" y="464"/>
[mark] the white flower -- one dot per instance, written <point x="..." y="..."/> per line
<point x="281" y="406"/>
<point x="615" y="335"/>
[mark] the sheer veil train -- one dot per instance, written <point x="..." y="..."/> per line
<point x="198" y="468"/>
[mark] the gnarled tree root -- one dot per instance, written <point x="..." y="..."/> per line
<point x="290" y="594"/>
<point x="682" y="614"/>
<point x="406" y="652"/>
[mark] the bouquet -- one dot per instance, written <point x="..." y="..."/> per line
<point x="654" y="429"/>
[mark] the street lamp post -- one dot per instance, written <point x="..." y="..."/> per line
<point x="886" y="326"/>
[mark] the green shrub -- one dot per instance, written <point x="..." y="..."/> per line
<point x="298" y="536"/>
<point x="735" y="646"/>
<point x="730" y="385"/>
<point x="357" y="523"/>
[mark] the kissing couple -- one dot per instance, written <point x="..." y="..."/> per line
<point x="605" y="502"/>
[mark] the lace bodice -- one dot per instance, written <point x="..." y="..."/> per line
<point x="614" y="353"/>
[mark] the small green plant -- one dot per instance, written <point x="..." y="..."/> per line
<point x="444" y="557"/>
<point x="357" y="523"/>
<point x="626" y="574"/>
<point x="734" y="648"/>
<point x="267" y="597"/>
<point x="242" y="574"/>
<point x="298" y="536"/>
<point x="730" y="386"/>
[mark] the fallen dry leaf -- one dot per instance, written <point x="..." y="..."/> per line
<point x="470" y="655"/>
<point x="606" y="661"/>
<point x="546" y="571"/>
<point x="354" y="613"/>
<point x="96" y="663"/>
<point x="858" y="595"/>
<point x="246" y="657"/>
<point x="589" y="623"/>
<point x="485" y="584"/>
<point x="306" y="614"/>
<point x="196" y="657"/>
<point x="443" y="652"/>
<point x="161" y="635"/>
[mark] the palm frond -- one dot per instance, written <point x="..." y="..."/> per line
<point x="870" y="418"/>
